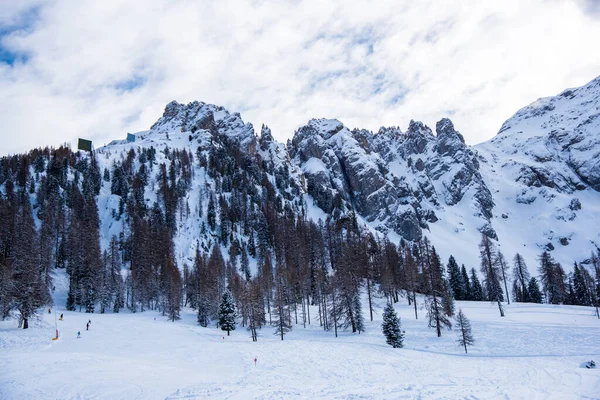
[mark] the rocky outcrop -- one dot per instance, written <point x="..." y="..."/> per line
<point x="392" y="179"/>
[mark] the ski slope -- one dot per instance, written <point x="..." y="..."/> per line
<point x="535" y="352"/>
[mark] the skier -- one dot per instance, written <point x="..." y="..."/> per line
<point x="61" y="316"/>
<point x="87" y="326"/>
<point x="49" y="310"/>
<point x="78" y="334"/>
<point x="255" y="361"/>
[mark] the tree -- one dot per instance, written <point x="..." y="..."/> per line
<point x="256" y="315"/>
<point x="465" y="278"/>
<point x="582" y="294"/>
<point x="227" y="313"/>
<point x="503" y="267"/>
<point x="412" y="273"/>
<point x="463" y="326"/>
<point x="476" y="289"/>
<point x="490" y="269"/>
<point x="521" y="277"/>
<point x="553" y="279"/>
<point x="535" y="294"/>
<point x="28" y="289"/>
<point x="281" y="315"/>
<point x="439" y="301"/>
<point x="172" y="289"/>
<point x="358" y="317"/>
<point x="391" y="327"/>
<point x="455" y="279"/>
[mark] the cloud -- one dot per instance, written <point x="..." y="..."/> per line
<point x="99" y="69"/>
<point x="590" y="7"/>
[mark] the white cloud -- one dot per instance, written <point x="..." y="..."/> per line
<point x="99" y="69"/>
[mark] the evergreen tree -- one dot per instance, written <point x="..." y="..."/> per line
<point x="358" y="317"/>
<point x="455" y="279"/>
<point x="465" y="278"/>
<point x="172" y="292"/>
<point x="463" y="326"/>
<point x="245" y="264"/>
<point x="391" y="327"/>
<point x="535" y="294"/>
<point x="211" y="213"/>
<point x="582" y="294"/>
<point x="476" y="288"/>
<point x="227" y="313"/>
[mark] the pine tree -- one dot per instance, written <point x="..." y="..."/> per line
<point x="476" y="289"/>
<point x="245" y="264"/>
<point x="227" y="313"/>
<point x="391" y="327"/>
<point x="582" y="295"/>
<point x="358" y="317"/>
<point x="211" y="213"/>
<point x="455" y="279"/>
<point x="535" y="294"/>
<point x="172" y="291"/>
<point x="463" y="326"/>
<point x="465" y="278"/>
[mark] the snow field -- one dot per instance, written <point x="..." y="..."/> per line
<point x="535" y="352"/>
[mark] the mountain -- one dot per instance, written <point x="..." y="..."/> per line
<point x="532" y="187"/>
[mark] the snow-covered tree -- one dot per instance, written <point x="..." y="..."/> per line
<point x="227" y="313"/>
<point x="465" y="278"/>
<point x="391" y="327"/>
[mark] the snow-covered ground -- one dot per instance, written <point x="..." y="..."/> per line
<point x="535" y="352"/>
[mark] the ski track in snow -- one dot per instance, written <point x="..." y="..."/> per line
<point x="535" y="352"/>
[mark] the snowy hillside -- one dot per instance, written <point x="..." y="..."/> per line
<point x="536" y="351"/>
<point x="533" y="187"/>
<point x="544" y="170"/>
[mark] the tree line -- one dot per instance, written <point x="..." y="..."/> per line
<point x="255" y="242"/>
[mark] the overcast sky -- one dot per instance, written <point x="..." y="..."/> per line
<point x="99" y="69"/>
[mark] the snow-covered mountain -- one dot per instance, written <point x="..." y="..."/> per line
<point x="534" y="186"/>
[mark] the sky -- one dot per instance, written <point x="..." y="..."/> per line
<point x="99" y="69"/>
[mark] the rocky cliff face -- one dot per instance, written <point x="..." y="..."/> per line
<point x="395" y="180"/>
